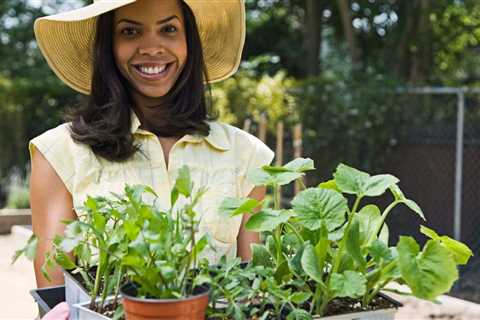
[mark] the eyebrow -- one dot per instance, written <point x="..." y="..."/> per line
<point x="158" y="22"/>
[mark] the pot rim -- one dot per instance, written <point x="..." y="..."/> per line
<point x="159" y="301"/>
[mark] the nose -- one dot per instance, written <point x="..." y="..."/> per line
<point x="151" y="45"/>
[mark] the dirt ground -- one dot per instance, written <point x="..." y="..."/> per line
<point x="16" y="281"/>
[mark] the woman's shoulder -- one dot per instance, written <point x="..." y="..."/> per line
<point x="236" y="137"/>
<point x="245" y="145"/>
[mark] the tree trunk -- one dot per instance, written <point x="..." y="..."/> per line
<point x="421" y="57"/>
<point x="313" y="36"/>
<point x="344" y="8"/>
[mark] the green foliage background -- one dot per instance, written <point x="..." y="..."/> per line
<point x="348" y="108"/>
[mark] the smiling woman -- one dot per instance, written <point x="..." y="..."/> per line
<point x="145" y="67"/>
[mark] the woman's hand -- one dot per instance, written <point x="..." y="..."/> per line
<point x="59" y="312"/>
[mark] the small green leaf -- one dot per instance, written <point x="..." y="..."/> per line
<point x="460" y="251"/>
<point x="349" y="284"/>
<point x="64" y="261"/>
<point x="330" y="184"/>
<point x="350" y="180"/>
<point x="30" y="249"/>
<point x="183" y="182"/>
<point x="353" y="245"/>
<point x="300" y="297"/>
<point x="300" y="165"/>
<point x="174" y="196"/>
<point x="235" y="206"/>
<point x="267" y="220"/>
<point x="314" y="206"/>
<point x="295" y="263"/>
<point x="377" y="185"/>
<point x="261" y="256"/>
<point x="428" y="273"/>
<point x="299" y="314"/>
<point x="414" y="207"/>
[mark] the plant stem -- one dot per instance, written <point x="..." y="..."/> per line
<point x="300" y="181"/>
<point x="96" y="287"/>
<point x="117" y="286"/>
<point x="295" y="231"/>
<point x="384" y="217"/>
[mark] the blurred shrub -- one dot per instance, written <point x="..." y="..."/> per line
<point x="18" y="196"/>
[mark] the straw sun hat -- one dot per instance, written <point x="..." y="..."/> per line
<point x="66" y="39"/>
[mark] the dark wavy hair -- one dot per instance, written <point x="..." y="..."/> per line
<point x="103" y="121"/>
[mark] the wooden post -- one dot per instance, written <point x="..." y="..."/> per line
<point x="246" y="125"/>
<point x="297" y="150"/>
<point x="262" y="129"/>
<point x="279" y="152"/>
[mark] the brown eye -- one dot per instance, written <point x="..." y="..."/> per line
<point x="169" y="28"/>
<point x="129" y="32"/>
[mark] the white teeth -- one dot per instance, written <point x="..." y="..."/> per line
<point x="153" y="70"/>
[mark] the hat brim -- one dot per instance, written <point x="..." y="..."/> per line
<point x="66" y="39"/>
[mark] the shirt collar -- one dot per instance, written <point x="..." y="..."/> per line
<point x="217" y="137"/>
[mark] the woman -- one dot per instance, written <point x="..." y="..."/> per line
<point x="145" y="67"/>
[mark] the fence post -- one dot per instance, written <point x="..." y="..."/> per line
<point x="279" y="152"/>
<point x="297" y="150"/>
<point x="246" y="125"/>
<point x="457" y="219"/>
<point x="262" y="129"/>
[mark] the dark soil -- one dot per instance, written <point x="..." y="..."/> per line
<point x="348" y="305"/>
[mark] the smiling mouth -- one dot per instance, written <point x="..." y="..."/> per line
<point x="153" y="72"/>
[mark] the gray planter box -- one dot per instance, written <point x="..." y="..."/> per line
<point x="74" y="293"/>
<point x="383" y="314"/>
<point x="84" y="313"/>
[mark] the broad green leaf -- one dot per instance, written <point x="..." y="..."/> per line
<point x="330" y="184"/>
<point x="300" y="165"/>
<point x="183" y="183"/>
<point x="460" y="251"/>
<point x="259" y="177"/>
<point x="314" y="206"/>
<point x="353" y="245"/>
<point x="267" y="220"/>
<point x="235" y="206"/>
<point x="414" y="207"/>
<point x="428" y="273"/>
<point x="369" y="219"/>
<point x="379" y="251"/>
<point x="295" y="263"/>
<point x="377" y="185"/>
<point x="30" y="249"/>
<point x="282" y="273"/>
<point x="299" y="314"/>
<point x="349" y="284"/>
<point x="300" y="297"/>
<point x="350" y="180"/>
<point x="286" y="177"/>
<point x="311" y="264"/>
<point x="261" y="256"/>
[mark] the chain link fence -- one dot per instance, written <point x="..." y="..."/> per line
<point x="436" y="156"/>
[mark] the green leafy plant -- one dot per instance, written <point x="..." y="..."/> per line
<point x="323" y="249"/>
<point x="126" y="238"/>
<point x="163" y="251"/>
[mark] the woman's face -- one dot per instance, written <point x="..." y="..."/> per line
<point x="150" y="46"/>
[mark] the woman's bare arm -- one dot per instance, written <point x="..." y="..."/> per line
<point x="245" y="238"/>
<point x="51" y="203"/>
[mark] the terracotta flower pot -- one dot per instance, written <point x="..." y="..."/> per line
<point x="189" y="308"/>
